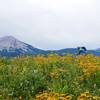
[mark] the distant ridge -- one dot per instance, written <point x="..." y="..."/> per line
<point x="11" y="47"/>
<point x="98" y="49"/>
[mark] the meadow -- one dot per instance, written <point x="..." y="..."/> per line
<point x="52" y="77"/>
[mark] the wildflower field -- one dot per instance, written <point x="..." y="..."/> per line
<point x="52" y="77"/>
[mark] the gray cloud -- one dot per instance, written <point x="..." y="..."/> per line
<point x="52" y="24"/>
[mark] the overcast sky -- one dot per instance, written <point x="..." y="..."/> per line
<point x="52" y="24"/>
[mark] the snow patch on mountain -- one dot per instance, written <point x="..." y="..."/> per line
<point x="10" y="43"/>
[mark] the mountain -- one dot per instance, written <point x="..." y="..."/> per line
<point x="98" y="49"/>
<point x="95" y="52"/>
<point x="10" y="46"/>
<point x="74" y="51"/>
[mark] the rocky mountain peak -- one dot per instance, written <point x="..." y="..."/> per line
<point x="9" y="42"/>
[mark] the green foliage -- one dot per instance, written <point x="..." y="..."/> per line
<point x="25" y="77"/>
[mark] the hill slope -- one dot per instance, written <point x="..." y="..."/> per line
<point x="10" y="47"/>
